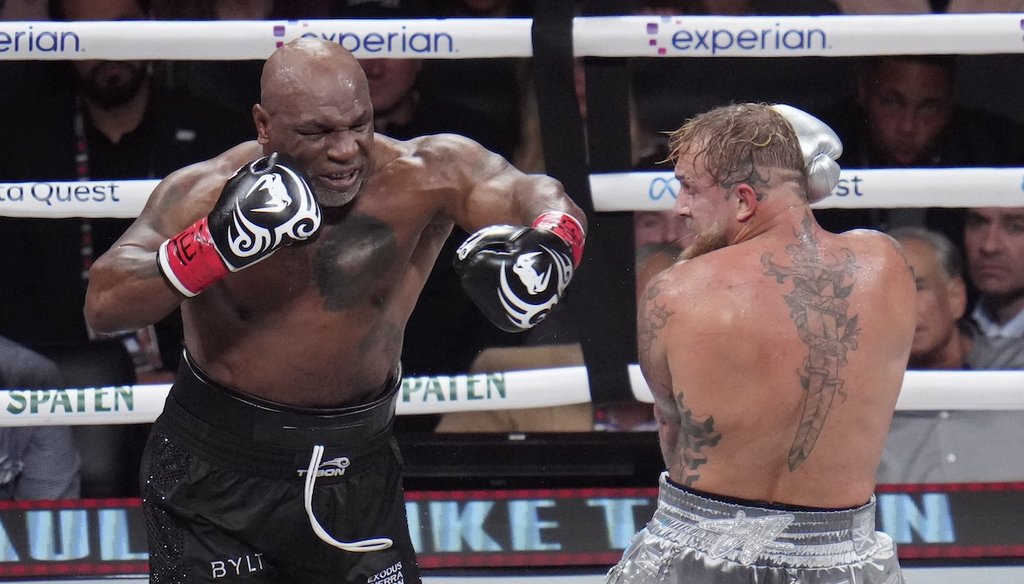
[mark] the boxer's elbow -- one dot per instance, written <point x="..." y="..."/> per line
<point x="103" y="313"/>
<point x="114" y="300"/>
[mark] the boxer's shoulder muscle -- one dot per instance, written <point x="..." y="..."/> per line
<point x="190" y="192"/>
<point x="457" y="159"/>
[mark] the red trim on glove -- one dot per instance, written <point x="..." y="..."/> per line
<point x="190" y="260"/>
<point x="566" y="227"/>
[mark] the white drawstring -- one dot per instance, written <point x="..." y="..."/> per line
<point x="366" y="545"/>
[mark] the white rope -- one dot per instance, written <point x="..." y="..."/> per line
<point x="927" y="390"/>
<point x="361" y="546"/>
<point x="137" y="404"/>
<point x="864" y="189"/>
<point x="623" y="191"/>
<point x="462" y="38"/>
<point x="256" y="39"/>
<point x="797" y="36"/>
<point x="121" y="199"/>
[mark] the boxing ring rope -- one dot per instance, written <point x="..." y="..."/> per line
<point x="624" y="191"/>
<point x="619" y="36"/>
<point x="462" y="38"/>
<point x="137" y="404"/>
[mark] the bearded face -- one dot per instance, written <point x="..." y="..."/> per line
<point x="110" y="84"/>
<point x="703" y="243"/>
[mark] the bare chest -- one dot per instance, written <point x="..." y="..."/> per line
<point x="352" y="263"/>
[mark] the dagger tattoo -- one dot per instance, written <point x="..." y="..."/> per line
<point x="819" y="308"/>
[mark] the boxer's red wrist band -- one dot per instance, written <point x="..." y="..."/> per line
<point x="189" y="260"/>
<point x="567" y="228"/>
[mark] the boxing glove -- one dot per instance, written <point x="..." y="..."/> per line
<point x="516" y="274"/>
<point x="820" y="147"/>
<point x="266" y="205"/>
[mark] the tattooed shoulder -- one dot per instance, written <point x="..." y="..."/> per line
<point x="654" y="315"/>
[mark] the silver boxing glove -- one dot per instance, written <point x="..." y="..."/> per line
<point x="820" y="147"/>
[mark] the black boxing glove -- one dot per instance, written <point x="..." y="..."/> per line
<point x="266" y="205"/>
<point x="515" y="275"/>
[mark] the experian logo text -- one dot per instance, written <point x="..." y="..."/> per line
<point x="720" y="40"/>
<point x="391" y="42"/>
<point x="43" y="41"/>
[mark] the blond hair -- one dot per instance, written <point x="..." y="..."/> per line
<point x="734" y="141"/>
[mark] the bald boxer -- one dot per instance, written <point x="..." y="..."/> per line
<point x="297" y="259"/>
<point x="775" y="354"/>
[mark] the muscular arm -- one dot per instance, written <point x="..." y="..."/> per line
<point x="126" y="290"/>
<point x="494" y="191"/>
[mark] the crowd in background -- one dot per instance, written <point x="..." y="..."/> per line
<point x="95" y="120"/>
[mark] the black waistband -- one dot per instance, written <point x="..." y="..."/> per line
<point x="223" y="423"/>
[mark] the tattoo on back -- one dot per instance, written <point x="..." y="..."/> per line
<point x="695" y="433"/>
<point x="652" y="320"/>
<point x="819" y="308"/>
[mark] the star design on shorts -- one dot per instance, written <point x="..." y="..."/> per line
<point x="751" y="536"/>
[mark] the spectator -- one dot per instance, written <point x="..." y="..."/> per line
<point x="393" y="89"/>
<point x="475" y="97"/>
<point x="939" y="342"/>
<point x="232" y="85"/>
<point x="394" y="83"/>
<point x="988" y="82"/>
<point x="906" y="115"/>
<point x="946" y="446"/>
<point x="812" y="83"/>
<point x="994" y="240"/>
<point x="36" y="462"/>
<point x="23" y="10"/>
<point x="95" y="120"/>
<point x="658" y="237"/>
<point x="648" y="148"/>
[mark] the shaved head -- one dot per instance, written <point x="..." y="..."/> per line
<point x="306" y="64"/>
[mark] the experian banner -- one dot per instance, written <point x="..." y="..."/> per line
<point x="797" y="36"/>
<point x="507" y="528"/>
<point x="458" y="38"/>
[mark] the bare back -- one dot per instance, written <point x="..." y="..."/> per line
<point x="776" y="364"/>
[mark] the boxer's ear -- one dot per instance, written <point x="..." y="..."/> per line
<point x="746" y="201"/>
<point x="262" y="119"/>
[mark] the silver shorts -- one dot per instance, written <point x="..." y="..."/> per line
<point x="694" y="539"/>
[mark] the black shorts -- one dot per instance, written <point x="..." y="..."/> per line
<point x="222" y="489"/>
